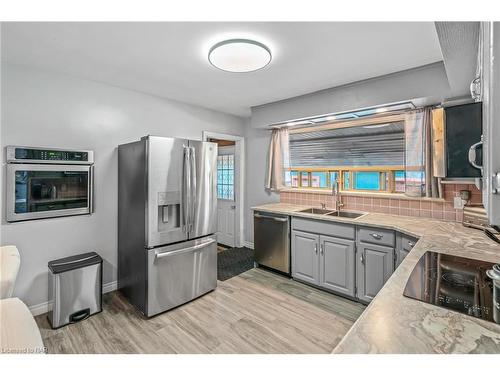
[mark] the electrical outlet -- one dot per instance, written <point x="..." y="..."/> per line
<point x="458" y="203"/>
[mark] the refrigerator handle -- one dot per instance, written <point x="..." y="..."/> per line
<point x="192" y="201"/>
<point x="185" y="250"/>
<point x="186" y="188"/>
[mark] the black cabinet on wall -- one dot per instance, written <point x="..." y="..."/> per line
<point x="463" y="129"/>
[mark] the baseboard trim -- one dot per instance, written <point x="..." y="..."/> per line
<point x="40" y="308"/>
<point x="44" y="307"/>
<point x="248" y="244"/>
<point x="109" y="287"/>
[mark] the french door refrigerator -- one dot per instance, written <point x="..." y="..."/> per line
<point x="167" y="215"/>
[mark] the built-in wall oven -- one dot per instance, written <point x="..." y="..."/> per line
<point x="45" y="183"/>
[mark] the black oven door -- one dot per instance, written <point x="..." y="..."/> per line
<point x="36" y="191"/>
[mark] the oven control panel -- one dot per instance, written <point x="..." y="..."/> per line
<point x="45" y="155"/>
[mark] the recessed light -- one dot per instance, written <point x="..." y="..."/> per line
<point x="239" y="55"/>
<point x="380" y="110"/>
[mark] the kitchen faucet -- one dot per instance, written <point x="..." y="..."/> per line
<point x="338" y="197"/>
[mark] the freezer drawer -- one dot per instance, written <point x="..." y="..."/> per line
<point x="179" y="273"/>
<point x="272" y="241"/>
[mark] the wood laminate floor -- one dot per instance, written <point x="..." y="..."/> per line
<point x="255" y="312"/>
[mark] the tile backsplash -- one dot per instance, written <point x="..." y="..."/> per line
<point x="436" y="209"/>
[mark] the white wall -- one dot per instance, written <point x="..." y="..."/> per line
<point x="51" y="110"/>
<point x="459" y="46"/>
<point x="257" y="144"/>
<point x="423" y="85"/>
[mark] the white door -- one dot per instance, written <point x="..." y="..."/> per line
<point x="227" y="193"/>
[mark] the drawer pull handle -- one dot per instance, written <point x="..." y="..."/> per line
<point x="362" y="258"/>
<point x="411" y="244"/>
<point x="376" y="236"/>
<point x="321" y="249"/>
<point x="316" y="248"/>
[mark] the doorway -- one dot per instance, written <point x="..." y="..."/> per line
<point x="230" y="185"/>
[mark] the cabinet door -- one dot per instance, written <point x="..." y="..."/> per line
<point x="400" y="256"/>
<point x="337" y="265"/>
<point x="404" y="244"/>
<point x="375" y="265"/>
<point x="305" y="256"/>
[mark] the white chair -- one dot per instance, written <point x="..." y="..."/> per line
<point x="9" y="268"/>
<point x="18" y="330"/>
<point x="19" y="333"/>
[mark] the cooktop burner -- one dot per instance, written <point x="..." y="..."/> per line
<point x="452" y="282"/>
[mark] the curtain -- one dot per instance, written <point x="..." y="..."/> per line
<point x="432" y="184"/>
<point x="278" y="159"/>
<point x="418" y="135"/>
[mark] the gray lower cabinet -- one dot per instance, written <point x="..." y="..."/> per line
<point x="400" y="256"/>
<point x="347" y="259"/>
<point x="404" y="244"/>
<point x="305" y="256"/>
<point x="325" y="261"/>
<point x="337" y="265"/>
<point x="374" y="266"/>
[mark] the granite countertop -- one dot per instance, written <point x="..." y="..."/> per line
<point x="393" y="323"/>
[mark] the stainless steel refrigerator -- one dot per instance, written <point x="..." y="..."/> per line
<point x="167" y="215"/>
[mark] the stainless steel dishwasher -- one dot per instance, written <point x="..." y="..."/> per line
<point x="272" y="241"/>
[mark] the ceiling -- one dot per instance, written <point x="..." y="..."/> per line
<point x="169" y="59"/>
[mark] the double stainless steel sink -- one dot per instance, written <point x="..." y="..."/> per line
<point x="326" y="212"/>
<point x="317" y="211"/>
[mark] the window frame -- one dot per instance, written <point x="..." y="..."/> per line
<point x="390" y="171"/>
<point x="386" y="173"/>
<point x="233" y="155"/>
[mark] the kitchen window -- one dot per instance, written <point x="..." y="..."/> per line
<point x="225" y="177"/>
<point x="368" y="158"/>
<point x="384" y="180"/>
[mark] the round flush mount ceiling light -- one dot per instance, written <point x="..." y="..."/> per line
<point x="239" y="55"/>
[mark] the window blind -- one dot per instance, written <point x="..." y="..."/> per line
<point x="358" y="146"/>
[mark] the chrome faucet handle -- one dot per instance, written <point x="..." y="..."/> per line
<point x="323" y="206"/>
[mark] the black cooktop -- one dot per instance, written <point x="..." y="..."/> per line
<point x="452" y="282"/>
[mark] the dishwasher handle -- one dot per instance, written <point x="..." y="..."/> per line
<point x="280" y="219"/>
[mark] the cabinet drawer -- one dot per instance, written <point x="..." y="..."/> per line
<point x="407" y="242"/>
<point x="376" y="236"/>
<point x="327" y="228"/>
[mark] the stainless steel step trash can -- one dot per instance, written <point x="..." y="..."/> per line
<point x="75" y="288"/>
